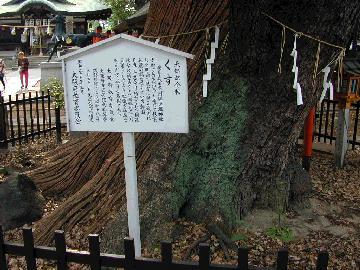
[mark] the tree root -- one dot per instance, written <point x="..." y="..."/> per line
<point x="94" y="203"/>
<point x="193" y="246"/>
<point x="225" y="242"/>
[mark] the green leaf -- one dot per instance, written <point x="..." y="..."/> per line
<point x="238" y="237"/>
<point x="4" y="171"/>
<point x="284" y="234"/>
<point x="56" y="89"/>
<point x="121" y="9"/>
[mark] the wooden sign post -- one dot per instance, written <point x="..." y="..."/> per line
<point x="131" y="189"/>
<point x="125" y="84"/>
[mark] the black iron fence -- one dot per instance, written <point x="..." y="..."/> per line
<point x="28" y="116"/>
<point x="96" y="260"/>
<point x="25" y="117"/>
<point x="327" y="119"/>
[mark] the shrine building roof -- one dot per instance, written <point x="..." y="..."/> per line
<point x="64" y="7"/>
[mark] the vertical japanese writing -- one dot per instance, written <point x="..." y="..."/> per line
<point x="177" y="84"/>
<point x="148" y="89"/>
<point x="89" y="96"/>
<point x="160" y="112"/>
<point x="80" y="67"/>
<point x="129" y="87"/>
<point x="109" y="79"/>
<point x="154" y="91"/>
<point x="103" y="95"/>
<point x="124" y="94"/>
<point x="117" y="87"/>
<point x="141" y="86"/>
<point x="97" y="100"/>
<point x="75" y="88"/>
<point x="136" y="89"/>
<point x="168" y="69"/>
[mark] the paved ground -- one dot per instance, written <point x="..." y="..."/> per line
<point x="13" y="84"/>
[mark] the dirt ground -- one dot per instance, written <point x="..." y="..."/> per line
<point x="330" y="221"/>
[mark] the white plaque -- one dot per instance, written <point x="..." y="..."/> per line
<point x="125" y="84"/>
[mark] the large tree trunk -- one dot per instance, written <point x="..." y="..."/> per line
<point x="274" y="121"/>
<point x="242" y="138"/>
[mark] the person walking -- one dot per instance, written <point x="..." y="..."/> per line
<point x="23" y="64"/>
<point x="2" y="72"/>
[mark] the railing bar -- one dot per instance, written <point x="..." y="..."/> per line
<point x="18" y="118"/>
<point x="31" y="117"/>
<point x="282" y="259"/>
<point x="23" y="136"/>
<point x="243" y="259"/>
<point x="49" y="109"/>
<point x="43" y="112"/>
<point x="332" y="122"/>
<point x="327" y="118"/>
<point x="29" y="249"/>
<point x="3" y="124"/>
<point x="204" y="256"/>
<point x="14" y="249"/>
<point x="37" y="114"/>
<point x="166" y="254"/>
<point x="321" y="116"/>
<point x="60" y="250"/>
<point x="11" y="123"/>
<point x="129" y="254"/>
<point x="356" y="126"/>
<point x="25" y="120"/>
<point x="94" y="249"/>
<point x="322" y="261"/>
<point x="58" y="124"/>
<point x="3" y="261"/>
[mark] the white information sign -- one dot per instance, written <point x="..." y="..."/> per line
<point x="126" y="84"/>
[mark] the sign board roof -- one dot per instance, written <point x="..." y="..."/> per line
<point x="121" y="37"/>
<point x="126" y="84"/>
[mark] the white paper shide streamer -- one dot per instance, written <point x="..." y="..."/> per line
<point x="214" y="45"/>
<point x="295" y="70"/>
<point x="327" y="85"/>
<point x="49" y="30"/>
<point x="331" y="88"/>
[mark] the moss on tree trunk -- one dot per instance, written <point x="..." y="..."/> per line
<point x="209" y="166"/>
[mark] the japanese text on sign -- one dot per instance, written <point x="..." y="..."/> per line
<point x="140" y="93"/>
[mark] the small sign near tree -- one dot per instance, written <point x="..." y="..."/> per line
<point x="125" y="84"/>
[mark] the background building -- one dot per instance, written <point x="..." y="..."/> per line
<point x="22" y="13"/>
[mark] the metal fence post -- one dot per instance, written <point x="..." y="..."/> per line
<point x="58" y="124"/>
<point x="3" y="261"/>
<point x="3" y="121"/>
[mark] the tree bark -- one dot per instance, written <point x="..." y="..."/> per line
<point x="243" y="136"/>
<point x="255" y="52"/>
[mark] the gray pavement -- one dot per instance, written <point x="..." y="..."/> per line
<point x="13" y="83"/>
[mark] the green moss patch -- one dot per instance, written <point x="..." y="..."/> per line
<point x="208" y="168"/>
